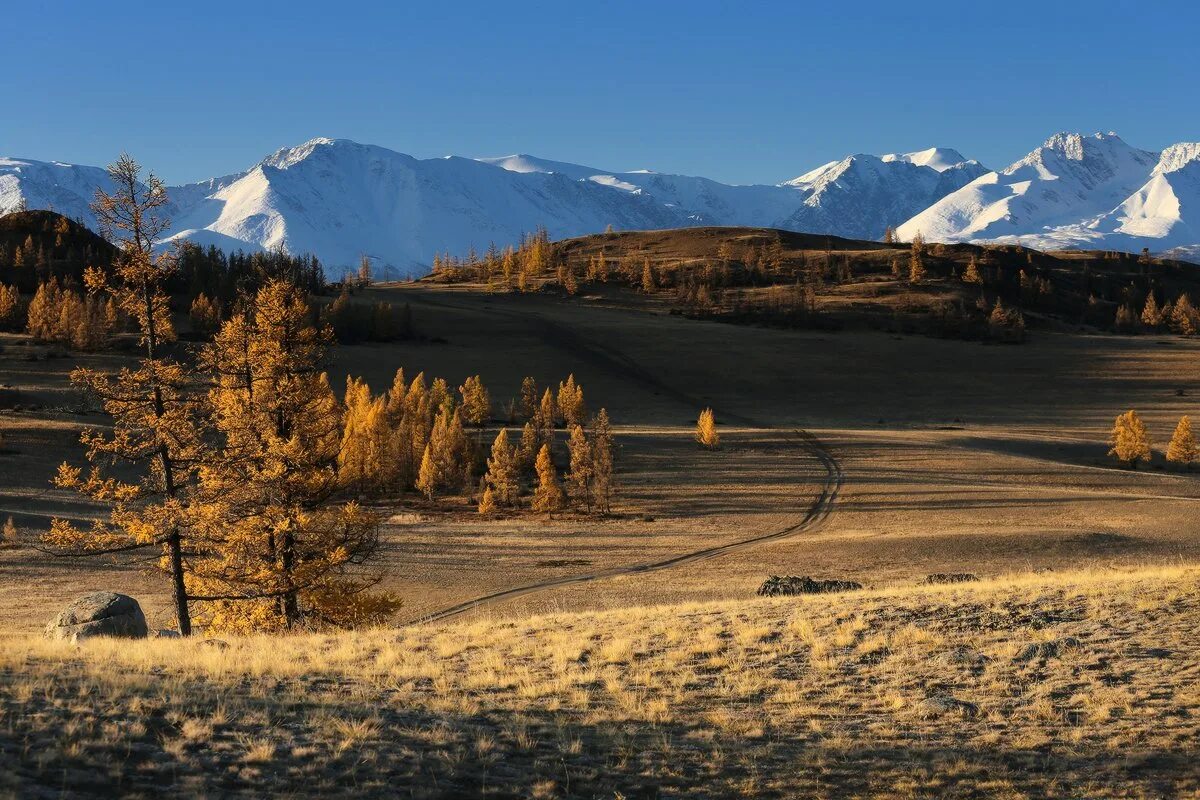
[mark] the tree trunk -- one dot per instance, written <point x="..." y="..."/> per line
<point x="182" y="614"/>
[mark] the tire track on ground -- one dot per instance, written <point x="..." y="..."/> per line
<point x="610" y="358"/>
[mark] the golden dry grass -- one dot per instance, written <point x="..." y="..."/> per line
<point x="1083" y="684"/>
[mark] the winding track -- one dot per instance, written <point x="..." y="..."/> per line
<point x="605" y="356"/>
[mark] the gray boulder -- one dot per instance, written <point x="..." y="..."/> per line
<point x="99" y="614"/>
<point x="777" y="585"/>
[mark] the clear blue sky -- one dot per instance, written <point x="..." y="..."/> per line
<point x="741" y="92"/>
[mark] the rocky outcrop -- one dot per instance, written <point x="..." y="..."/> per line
<point x="790" y="584"/>
<point x="99" y="614"/>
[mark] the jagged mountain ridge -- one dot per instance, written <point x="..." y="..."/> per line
<point x="341" y="200"/>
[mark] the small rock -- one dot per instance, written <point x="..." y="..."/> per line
<point x="99" y="614"/>
<point x="964" y="655"/>
<point x="1046" y="649"/>
<point x="776" y="585"/>
<point x="949" y="577"/>
<point x="940" y="704"/>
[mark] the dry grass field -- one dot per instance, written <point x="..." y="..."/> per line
<point x="611" y="681"/>
<point x="1079" y="684"/>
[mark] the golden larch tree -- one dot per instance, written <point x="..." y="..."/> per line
<point x="1182" y="448"/>
<point x="706" y="430"/>
<point x="154" y="406"/>
<point x="284" y="551"/>
<point x="529" y="397"/>
<point x="602" y="448"/>
<point x="503" y="472"/>
<point x="548" y="495"/>
<point x="476" y="402"/>
<point x="1152" y="315"/>
<point x="1130" y="442"/>
<point x="579" y="479"/>
<point x="570" y="404"/>
<point x="971" y="274"/>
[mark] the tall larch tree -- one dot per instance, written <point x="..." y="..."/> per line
<point x="476" y="402"/>
<point x="531" y="442"/>
<point x="1130" y="442"/>
<point x="602" y="461"/>
<point x="154" y="406"/>
<point x="1152" y="315"/>
<point x="285" y="551"/>
<point x="503" y="472"/>
<point x="570" y="404"/>
<point x="706" y="430"/>
<point x="1182" y="448"/>
<point x="529" y="397"/>
<point x="971" y="274"/>
<point x="579" y="479"/>
<point x="548" y="495"/>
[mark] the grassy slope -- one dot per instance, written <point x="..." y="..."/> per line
<point x="900" y="692"/>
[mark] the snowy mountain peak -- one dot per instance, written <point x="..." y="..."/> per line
<point x="525" y="163"/>
<point x="339" y="199"/>
<point x="1177" y="156"/>
<point x="938" y="158"/>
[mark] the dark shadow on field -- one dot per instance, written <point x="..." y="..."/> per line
<point x="301" y="739"/>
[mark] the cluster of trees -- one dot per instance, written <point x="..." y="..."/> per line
<point x="1180" y="316"/>
<point x="517" y="268"/>
<point x="1131" y="442"/>
<point x="36" y="246"/>
<point x="225" y="278"/>
<point x="82" y="321"/>
<point x="589" y="480"/>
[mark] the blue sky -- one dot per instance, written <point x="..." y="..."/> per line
<point x="741" y="92"/>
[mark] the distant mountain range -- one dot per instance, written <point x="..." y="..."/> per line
<point x="341" y="200"/>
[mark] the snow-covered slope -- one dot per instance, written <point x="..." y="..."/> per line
<point x="341" y="200"/>
<point x="860" y="196"/>
<point x="939" y="158"/>
<point x="1070" y="179"/>
<point x="65" y="188"/>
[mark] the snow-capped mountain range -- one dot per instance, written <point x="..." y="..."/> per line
<point x="340" y="200"/>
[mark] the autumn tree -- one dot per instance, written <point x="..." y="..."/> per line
<point x="529" y="397"/>
<point x="545" y="418"/>
<point x="548" y="495"/>
<point x="1184" y="318"/>
<point x="282" y="549"/>
<point x="503" y="473"/>
<point x="1182" y="448"/>
<point x="971" y="274"/>
<point x="579" y="479"/>
<point x="205" y="316"/>
<point x="602" y="461"/>
<point x="10" y="307"/>
<point x="649" y="282"/>
<point x="444" y="462"/>
<point x="476" y="403"/>
<point x="365" y="460"/>
<point x="531" y="441"/>
<point x="1152" y="315"/>
<point x="706" y="430"/>
<point x="916" y="260"/>
<point x="153" y="406"/>
<point x="571" y="407"/>
<point x="1130" y="442"/>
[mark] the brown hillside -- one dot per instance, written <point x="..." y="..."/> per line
<point x="35" y="245"/>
